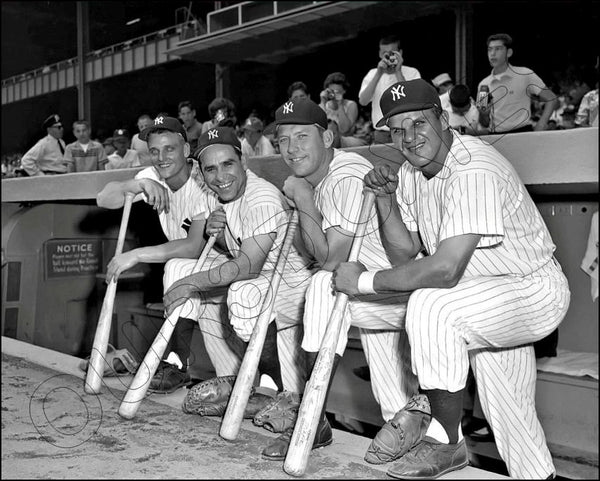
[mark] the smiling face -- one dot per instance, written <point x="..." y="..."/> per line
<point x="224" y="171"/>
<point x="305" y="149"/>
<point x="168" y="153"/>
<point x="423" y="138"/>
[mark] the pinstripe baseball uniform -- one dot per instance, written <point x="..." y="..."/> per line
<point x="189" y="203"/>
<point x="380" y="318"/>
<point x="262" y="209"/>
<point x="512" y="293"/>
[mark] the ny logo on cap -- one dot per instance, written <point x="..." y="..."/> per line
<point x="288" y="107"/>
<point x="397" y="92"/>
<point x="158" y="120"/>
<point x="213" y="134"/>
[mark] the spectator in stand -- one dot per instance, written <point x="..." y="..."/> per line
<point x="463" y="116"/>
<point x="139" y="145"/>
<point x="123" y="157"/>
<point x="339" y="109"/>
<point x="254" y="142"/>
<point x="193" y="128"/>
<point x="510" y="90"/>
<point x="298" y="90"/>
<point x="587" y="115"/>
<point x="46" y="157"/>
<point x="108" y="145"/>
<point x="389" y="70"/>
<point x="222" y="114"/>
<point x="84" y="155"/>
<point x="443" y="83"/>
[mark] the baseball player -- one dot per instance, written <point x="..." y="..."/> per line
<point x="327" y="190"/>
<point x="488" y="288"/>
<point x="174" y="187"/>
<point x="251" y="216"/>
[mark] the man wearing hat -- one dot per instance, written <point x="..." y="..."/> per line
<point x="326" y="189"/>
<point x="123" y="157"/>
<point x="174" y="187"/>
<point x="443" y="82"/>
<point x="462" y="112"/>
<point x="487" y="289"/>
<point x="250" y="216"/>
<point x="46" y="157"/>
<point x="254" y="143"/>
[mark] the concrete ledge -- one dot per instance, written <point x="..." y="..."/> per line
<point x="347" y="449"/>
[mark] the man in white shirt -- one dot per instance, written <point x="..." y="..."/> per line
<point x="139" y="145"/>
<point x="389" y="70"/>
<point x="462" y="112"/>
<point x="46" y="156"/>
<point x="508" y="109"/>
<point x="254" y="143"/>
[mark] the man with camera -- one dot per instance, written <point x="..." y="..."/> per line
<point x="390" y="69"/>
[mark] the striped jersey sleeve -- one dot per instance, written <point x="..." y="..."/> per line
<point x="473" y="206"/>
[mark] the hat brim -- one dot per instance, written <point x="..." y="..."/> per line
<point x="153" y="128"/>
<point x="404" y="108"/>
<point x="272" y="127"/>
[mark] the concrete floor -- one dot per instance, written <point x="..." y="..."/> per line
<point x="52" y="429"/>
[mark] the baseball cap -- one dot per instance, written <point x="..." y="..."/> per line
<point x="217" y="136"/>
<point x="299" y="112"/>
<point x="164" y="123"/>
<point x="120" y="134"/>
<point x="441" y="79"/>
<point x="407" y="96"/>
<point x="50" y="121"/>
<point x="253" y="123"/>
<point x="460" y="96"/>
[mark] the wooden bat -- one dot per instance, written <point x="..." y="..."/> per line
<point x="316" y="388"/>
<point x="95" y="371"/>
<point x="141" y="382"/>
<point x="234" y="415"/>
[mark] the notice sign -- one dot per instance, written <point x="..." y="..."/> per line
<point x="73" y="257"/>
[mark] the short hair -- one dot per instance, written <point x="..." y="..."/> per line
<point x="388" y="39"/>
<point x="297" y="86"/>
<point x="460" y="96"/>
<point x="185" y="103"/>
<point x="221" y="103"/>
<point x="144" y="116"/>
<point x="81" y="122"/>
<point x="505" y="38"/>
<point x="336" y="78"/>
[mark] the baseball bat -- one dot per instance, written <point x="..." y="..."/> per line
<point x="141" y="381"/>
<point x="95" y="371"/>
<point x="316" y="388"/>
<point x="234" y="415"/>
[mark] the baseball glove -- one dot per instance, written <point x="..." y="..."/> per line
<point x="402" y="433"/>
<point x="280" y="414"/>
<point x="210" y="398"/>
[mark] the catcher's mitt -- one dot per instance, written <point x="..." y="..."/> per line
<point x="280" y="414"/>
<point x="210" y="398"/>
<point x="402" y="433"/>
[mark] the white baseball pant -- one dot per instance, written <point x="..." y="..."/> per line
<point x="491" y="323"/>
<point x="380" y="319"/>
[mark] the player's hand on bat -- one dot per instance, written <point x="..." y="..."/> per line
<point x="216" y="222"/>
<point x="345" y="277"/>
<point x="297" y="190"/>
<point x="120" y="263"/>
<point x="382" y="180"/>
<point x="156" y="195"/>
<point x="177" y="294"/>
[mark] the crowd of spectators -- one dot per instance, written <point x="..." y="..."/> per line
<point x="510" y="99"/>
